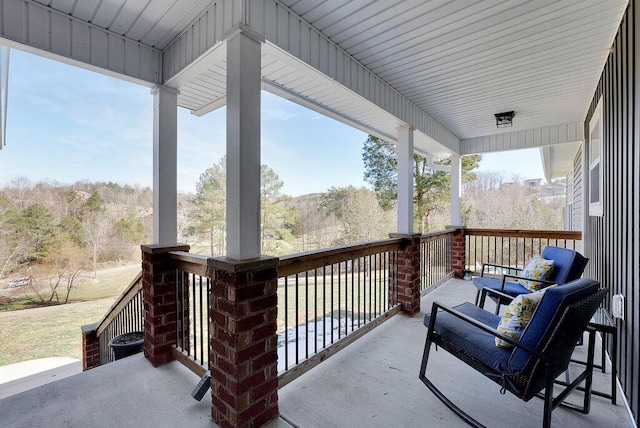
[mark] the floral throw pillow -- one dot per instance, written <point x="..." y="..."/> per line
<point x="537" y="268"/>
<point x="517" y="316"/>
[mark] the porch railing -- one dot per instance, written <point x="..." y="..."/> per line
<point x="436" y="264"/>
<point x="512" y="248"/>
<point x="193" y="290"/>
<point x="126" y="315"/>
<point x="327" y="297"/>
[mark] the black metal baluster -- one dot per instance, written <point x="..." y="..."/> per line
<point x="297" y="322"/>
<point x="286" y="323"/>
<point x="306" y="313"/>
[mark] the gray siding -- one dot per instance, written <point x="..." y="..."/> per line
<point x="576" y="184"/>
<point x="613" y="240"/>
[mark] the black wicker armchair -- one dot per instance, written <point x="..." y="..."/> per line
<point x="542" y="353"/>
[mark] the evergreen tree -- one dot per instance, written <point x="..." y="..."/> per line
<point x="432" y="188"/>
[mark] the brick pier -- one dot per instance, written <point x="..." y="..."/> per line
<point x="244" y="372"/>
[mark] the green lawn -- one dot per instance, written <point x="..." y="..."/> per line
<point x="54" y="331"/>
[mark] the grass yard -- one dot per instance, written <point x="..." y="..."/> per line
<point x="54" y="331"/>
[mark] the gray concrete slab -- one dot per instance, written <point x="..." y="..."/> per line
<point x="374" y="383"/>
<point x="126" y="393"/>
<point x="20" y="377"/>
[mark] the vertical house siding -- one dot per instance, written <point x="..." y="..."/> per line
<point x="576" y="217"/>
<point x="574" y="211"/>
<point x="612" y="241"/>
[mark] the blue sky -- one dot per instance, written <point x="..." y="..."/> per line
<point x="67" y="124"/>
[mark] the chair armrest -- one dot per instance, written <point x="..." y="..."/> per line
<point x="495" y="293"/>
<point x="498" y="266"/>
<point x="465" y="318"/>
<point x="544" y="281"/>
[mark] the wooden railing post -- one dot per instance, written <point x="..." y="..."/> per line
<point x="244" y="360"/>
<point x="458" y="251"/>
<point x="407" y="272"/>
<point x="90" y="347"/>
<point x="159" y="295"/>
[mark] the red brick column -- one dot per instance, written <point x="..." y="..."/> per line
<point x="159" y="297"/>
<point x="408" y="273"/>
<point x="90" y="347"/>
<point x="458" y="251"/>
<point x="244" y="372"/>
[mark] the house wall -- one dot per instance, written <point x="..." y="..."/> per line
<point x="612" y="241"/>
<point x="574" y="209"/>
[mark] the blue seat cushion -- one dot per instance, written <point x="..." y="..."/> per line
<point x="511" y="288"/>
<point x="481" y="344"/>
<point x="470" y="338"/>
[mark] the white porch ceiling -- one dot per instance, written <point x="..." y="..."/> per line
<point x="463" y="61"/>
<point x="154" y="23"/>
<point x="457" y="62"/>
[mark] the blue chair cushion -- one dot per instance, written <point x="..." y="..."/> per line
<point x="471" y="339"/>
<point x="510" y="288"/>
<point x="481" y="344"/>
<point x="552" y="304"/>
<point x="569" y="264"/>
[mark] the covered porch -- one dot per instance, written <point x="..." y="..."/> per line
<point x="373" y="382"/>
<point x="431" y="85"/>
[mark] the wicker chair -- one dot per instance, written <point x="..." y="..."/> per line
<point x="543" y="352"/>
<point x="569" y="265"/>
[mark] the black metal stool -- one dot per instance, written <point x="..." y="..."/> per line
<point x="605" y="324"/>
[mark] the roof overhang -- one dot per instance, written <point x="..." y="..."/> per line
<point x="442" y="68"/>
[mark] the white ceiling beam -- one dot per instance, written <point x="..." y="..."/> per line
<point x="524" y="139"/>
<point x="40" y="29"/>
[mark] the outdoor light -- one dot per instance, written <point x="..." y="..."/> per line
<point x="504" y="119"/>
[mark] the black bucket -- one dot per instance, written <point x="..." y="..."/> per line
<point x="127" y="344"/>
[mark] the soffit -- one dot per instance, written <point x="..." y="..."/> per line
<point x="153" y="23"/>
<point x="461" y="62"/>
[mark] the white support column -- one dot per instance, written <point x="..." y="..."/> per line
<point x="165" y="165"/>
<point x="456" y="190"/>
<point x="243" y="146"/>
<point x="405" y="180"/>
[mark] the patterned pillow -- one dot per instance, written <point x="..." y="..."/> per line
<point x="517" y="316"/>
<point x="537" y="268"/>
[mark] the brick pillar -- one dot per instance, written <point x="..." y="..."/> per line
<point x="458" y="251"/>
<point x="90" y="347"/>
<point x="159" y="297"/>
<point x="408" y="273"/>
<point x="244" y="372"/>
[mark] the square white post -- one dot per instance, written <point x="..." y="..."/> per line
<point x="405" y="180"/>
<point x="456" y="190"/>
<point x="243" y="146"/>
<point x="165" y="165"/>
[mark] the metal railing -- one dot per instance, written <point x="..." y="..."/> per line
<point x="126" y="315"/>
<point x="513" y="248"/>
<point x="325" y="296"/>
<point x="193" y="288"/>
<point x="436" y="263"/>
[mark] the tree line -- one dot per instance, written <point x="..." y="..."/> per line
<point x="51" y="231"/>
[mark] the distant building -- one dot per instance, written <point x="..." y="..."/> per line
<point x="82" y="196"/>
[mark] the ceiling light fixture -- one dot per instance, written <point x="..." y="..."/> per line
<point x="505" y="119"/>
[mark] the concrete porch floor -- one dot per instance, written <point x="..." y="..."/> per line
<point x="374" y="383"/>
<point x="371" y="383"/>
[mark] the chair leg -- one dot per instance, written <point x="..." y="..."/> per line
<point x="439" y="395"/>
<point x="589" y="379"/>
<point x="548" y="399"/>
